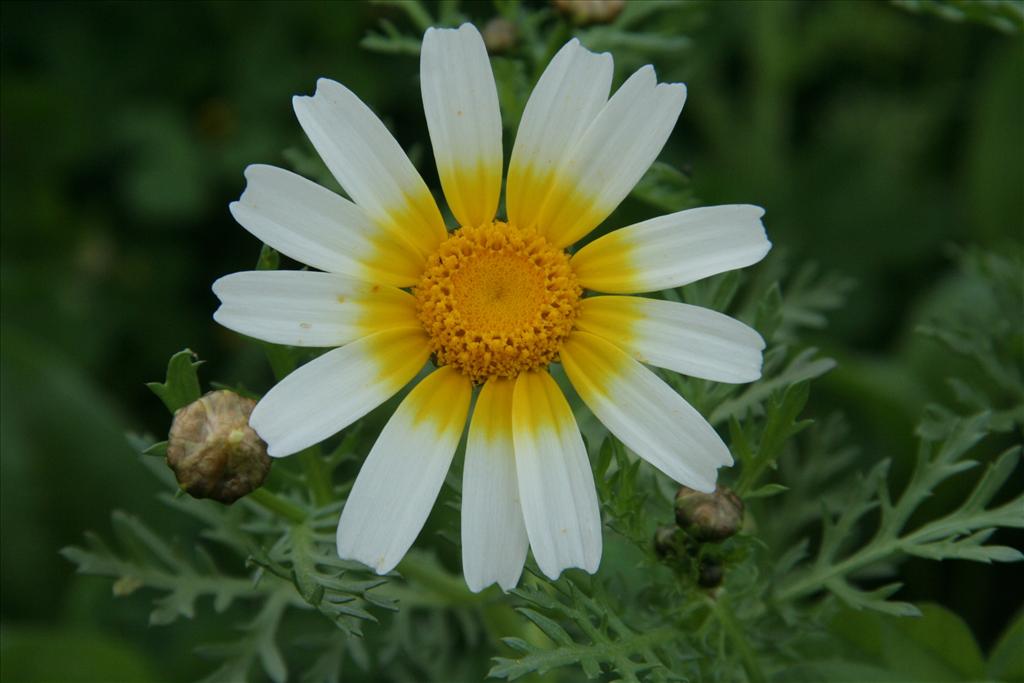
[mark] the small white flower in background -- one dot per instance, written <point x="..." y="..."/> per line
<point x="494" y="302"/>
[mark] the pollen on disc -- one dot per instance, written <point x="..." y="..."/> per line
<point x="497" y="301"/>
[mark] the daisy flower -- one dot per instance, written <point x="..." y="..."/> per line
<point x="492" y="304"/>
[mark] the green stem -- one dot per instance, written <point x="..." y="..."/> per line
<point x="749" y="477"/>
<point x="735" y="633"/>
<point x="874" y="552"/>
<point x="278" y="505"/>
<point x="316" y="476"/>
<point x="453" y="589"/>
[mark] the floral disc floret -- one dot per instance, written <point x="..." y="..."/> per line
<point x="497" y="301"/>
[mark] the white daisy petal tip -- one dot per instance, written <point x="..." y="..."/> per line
<point x="556" y="485"/>
<point x="574" y="50"/>
<point x="754" y="217"/>
<point x="301" y="101"/>
<point x="466" y="27"/>
<point x="644" y="412"/>
<point x="477" y="585"/>
<point x="494" y="537"/>
<point x="218" y="285"/>
<point x="507" y="586"/>
<point x="460" y="102"/>
<point x="608" y="157"/>
<point x="324" y="83"/>
<point x="218" y="315"/>
<point x="235" y="207"/>
<point x="674" y="249"/>
<point x="309" y="308"/>
<point x="274" y="449"/>
<point x="575" y="44"/>
<point x="251" y="170"/>
<point x="554" y="571"/>
<point x="402" y="476"/>
<point x="378" y="565"/>
<point x="702" y="486"/>
<point x="253" y="174"/>
<point x="676" y="90"/>
<point x="274" y="452"/>
<point x="688" y="339"/>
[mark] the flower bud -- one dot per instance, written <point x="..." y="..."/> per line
<point x="665" y="542"/>
<point x="709" y="516"/>
<point x="710" y="573"/>
<point x="500" y="35"/>
<point x="212" y="449"/>
<point x="590" y="11"/>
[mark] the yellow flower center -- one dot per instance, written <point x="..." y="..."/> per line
<point x="497" y="301"/>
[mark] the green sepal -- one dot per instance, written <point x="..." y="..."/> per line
<point x="159" y="449"/>
<point x="182" y="385"/>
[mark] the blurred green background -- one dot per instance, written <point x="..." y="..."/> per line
<point x="875" y="137"/>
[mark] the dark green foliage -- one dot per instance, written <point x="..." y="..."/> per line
<point x="600" y="641"/>
<point x="182" y="384"/>
<point x="1004" y="15"/>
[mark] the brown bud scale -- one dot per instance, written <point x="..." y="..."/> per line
<point x="709" y="516"/>
<point x="213" y="451"/>
<point x="584" y="12"/>
<point x="500" y="35"/>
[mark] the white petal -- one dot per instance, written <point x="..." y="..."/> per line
<point x="688" y="339"/>
<point x="313" y="225"/>
<point x="460" y="101"/>
<point x="673" y="250"/>
<point x="401" y="477"/>
<point x="494" y="541"/>
<point x="567" y="98"/>
<point x="331" y="392"/>
<point x="615" y="151"/>
<point x="556" y="485"/>
<point x="371" y="166"/>
<point x="644" y="412"/>
<point x="306" y="308"/>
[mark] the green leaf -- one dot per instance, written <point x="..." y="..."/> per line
<point x="960" y="534"/>
<point x="414" y="9"/>
<point x="1003" y="15"/>
<point x="84" y="656"/>
<point x="781" y="425"/>
<point x="604" y="640"/>
<point x="803" y="367"/>
<point x="937" y="646"/>
<point x="159" y="449"/>
<point x="1006" y="662"/>
<point x="258" y="643"/>
<point x="782" y="422"/>
<point x="392" y="41"/>
<point x="770" y="312"/>
<point x="269" y="259"/>
<point x="877" y="599"/>
<point x="665" y="187"/>
<point x="145" y="560"/>
<point x="619" y="493"/>
<point x="549" y="626"/>
<point x="513" y="90"/>
<point x="766" y="491"/>
<point x="182" y="384"/>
